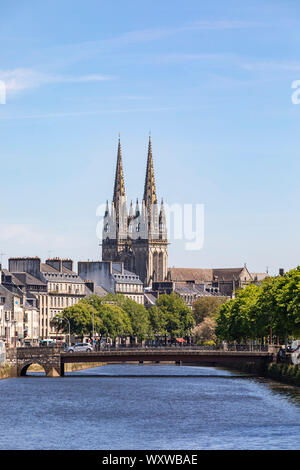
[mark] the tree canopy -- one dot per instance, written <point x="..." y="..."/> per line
<point x="270" y="308"/>
<point x="206" y="306"/>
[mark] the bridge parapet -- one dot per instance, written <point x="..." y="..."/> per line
<point x="48" y="358"/>
<point x="53" y="359"/>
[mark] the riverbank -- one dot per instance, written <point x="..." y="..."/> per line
<point x="69" y="367"/>
<point x="285" y="373"/>
<point x="6" y="371"/>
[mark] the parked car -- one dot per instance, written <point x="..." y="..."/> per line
<point x="80" y="347"/>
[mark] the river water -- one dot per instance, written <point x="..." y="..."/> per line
<point x="148" y="407"/>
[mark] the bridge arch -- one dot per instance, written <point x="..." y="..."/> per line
<point x="24" y="367"/>
<point x="49" y="370"/>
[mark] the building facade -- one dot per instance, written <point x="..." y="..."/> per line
<point x="138" y="238"/>
<point x="191" y="283"/>
<point x="52" y="286"/>
<point x="113" y="277"/>
<point x="18" y="315"/>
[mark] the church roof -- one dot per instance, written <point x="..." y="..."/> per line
<point x="190" y="274"/>
<point x="229" y="274"/>
<point x="259" y="276"/>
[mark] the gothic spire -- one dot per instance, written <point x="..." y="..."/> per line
<point x="119" y="188"/>
<point x="149" y="189"/>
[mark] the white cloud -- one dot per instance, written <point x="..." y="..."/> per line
<point x="20" y="79"/>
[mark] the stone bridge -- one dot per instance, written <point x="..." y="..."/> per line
<point x="48" y="358"/>
<point x="54" y="359"/>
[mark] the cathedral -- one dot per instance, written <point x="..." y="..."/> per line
<point x="137" y="238"/>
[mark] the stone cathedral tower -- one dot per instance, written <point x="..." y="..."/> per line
<point x="138" y="238"/>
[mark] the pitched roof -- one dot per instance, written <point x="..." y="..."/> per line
<point x="228" y="274"/>
<point x="190" y="274"/>
<point x="27" y="279"/>
<point x="100" y="291"/>
<point x="259" y="276"/>
<point x="150" y="298"/>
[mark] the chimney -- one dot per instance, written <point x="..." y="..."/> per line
<point x="25" y="265"/>
<point x="67" y="263"/>
<point x="55" y="263"/>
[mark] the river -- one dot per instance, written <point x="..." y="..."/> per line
<point x="148" y="407"/>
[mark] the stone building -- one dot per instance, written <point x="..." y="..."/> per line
<point x="11" y="317"/>
<point x="138" y="238"/>
<point x="113" y="277"/>
<point x="52" y="284"/>
<point x="192" y="282"/>
<point x="18" y="315"/>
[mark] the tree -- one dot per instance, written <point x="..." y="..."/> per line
<point x="270" y="308"/>
<point x="177" y="316"/>
<point x="205" y="332"/>
<point x="80" y="318"/>
<point x="137" y="313"/>
<point x="206" y="307"/>
<point x="157" y="322"/>
<point x="237" y="318"/>
<point x="115" y="321"/>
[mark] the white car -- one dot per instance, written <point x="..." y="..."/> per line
<point x="80" y="347"/>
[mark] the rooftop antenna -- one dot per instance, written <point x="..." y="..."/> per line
<point x="1" y="256"/>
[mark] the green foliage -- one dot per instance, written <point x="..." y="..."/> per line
<point x="274" y="305"/>
<point x="79" y="318"/>
<point x="107" y="319"/>
<point x="206" y="307"/>
<point x="115" y="321"/>
<point x="138" y="315"/>
<point x="117" y="315"/>
<point x="157" y="322"/>
<point x="177" y="317"/>
<point x="204" y="333"/>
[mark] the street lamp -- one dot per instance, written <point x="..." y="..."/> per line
<point x="69" y="325"/>
<point x="93" y="325"/>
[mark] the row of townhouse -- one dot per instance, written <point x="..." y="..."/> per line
<point x="51" y="286"/>
<point x="19" y="315"/>
<point x="33" y="292"/>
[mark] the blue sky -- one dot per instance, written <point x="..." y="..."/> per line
<point x="210" y="80"/>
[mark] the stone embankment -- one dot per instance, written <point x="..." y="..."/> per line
<point x="6" y="371"/>
<point x="286" y="373"/>
<point x="69" y="367"/>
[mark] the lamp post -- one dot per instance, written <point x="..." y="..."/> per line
<point x="93" y="326"/>
<point x="69" y="325"/>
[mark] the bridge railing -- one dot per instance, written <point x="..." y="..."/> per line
<point x="229" y="347"/>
